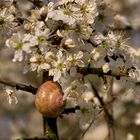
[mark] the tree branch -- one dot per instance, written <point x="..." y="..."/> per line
<point x="70" y="110"/>
<point x="92" y="122"/>
<point x="110" y="80"/>
<point x="99" y="71"/>
<point x="84" y="71"/>
<point x="19" y="86"/>
<point x="109" y="117"/>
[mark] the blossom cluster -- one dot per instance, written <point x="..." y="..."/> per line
<point x="61" y="37"/>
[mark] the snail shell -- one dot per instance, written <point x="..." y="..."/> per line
<point x="49" y="99"/>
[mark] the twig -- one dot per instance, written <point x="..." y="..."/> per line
<point x="70" y="110"/>
<point x="110" y="79"/>
<point x="110" y="120"/>
<point x="19" y="86"/>
<point x="92" y="122"/>
<point x="84" y="71"/>
<point x="99" y="71"/>
<point x="109" y="117"/>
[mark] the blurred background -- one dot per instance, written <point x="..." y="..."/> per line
<point x="22" y="119"/>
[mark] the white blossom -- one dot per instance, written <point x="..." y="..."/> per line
<point x="6" y="19"/>
<point x="106" y="67"/>
<point x="97" y="54"/>
<point x="59" y="66"/>
<point x="70" y="43"/>
<point x="29" y="42"/>
<point x="135" y="74"/>
<point x="85" y="11"/>
<point x="76" y="59"/>
<point x="88" y="94"/>
<point x="75" y="89"/>
<point x="16" y="42"/>
<point x="64" y="14"/>
<point x="10" y="96"/>
<point x="85" y="114"/>
<point x="39" y="63"/>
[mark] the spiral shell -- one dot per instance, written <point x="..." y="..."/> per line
<point x="49" y="99"/>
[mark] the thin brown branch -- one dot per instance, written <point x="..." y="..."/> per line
<point x="110" y="80"/>
<point x="70" y="110"/>
<point x="94" y="119"/>
<point x="99" y="71"/>
<point x="109" y="114"/>
<point x="109" y="117"/>
<point x="84" y="71"/>
<point x="92" y="122"/>
<point x="19" y="86"/>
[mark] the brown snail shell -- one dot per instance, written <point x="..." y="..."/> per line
<point x="49" y="99"/>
